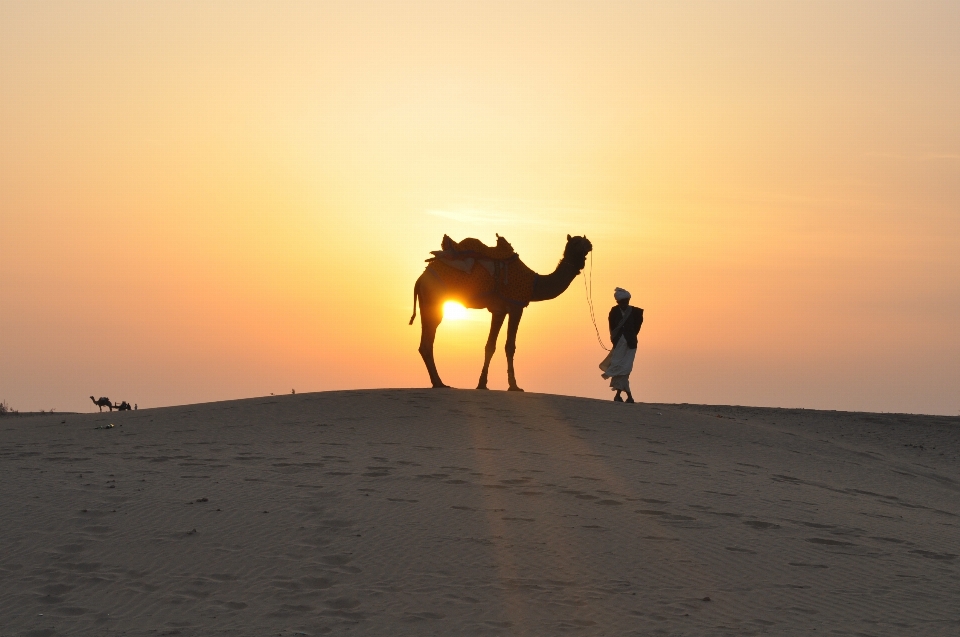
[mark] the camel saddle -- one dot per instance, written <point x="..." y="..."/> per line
<point x="471" y="248"/>
<point x="502" y="274"/>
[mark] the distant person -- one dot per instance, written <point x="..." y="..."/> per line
<point x="625" y="321"/>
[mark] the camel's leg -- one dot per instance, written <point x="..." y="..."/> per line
<point x="496" y="322"/>
<point x="511" y="346"/>
<point x="430" y="317"/>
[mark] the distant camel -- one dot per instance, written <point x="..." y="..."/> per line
<point x="480" y="290"/>
<point x="103" y="402"/>
<point x="124" y="406"/>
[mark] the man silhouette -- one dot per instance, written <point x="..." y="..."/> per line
<point x="625" y="321"/>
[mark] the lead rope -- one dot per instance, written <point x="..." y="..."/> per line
<point x="589" y="295"/>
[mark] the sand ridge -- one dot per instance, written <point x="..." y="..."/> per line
<point x="463" y="512"/>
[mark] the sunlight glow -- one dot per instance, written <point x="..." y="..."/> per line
<point x="453" y="311"/>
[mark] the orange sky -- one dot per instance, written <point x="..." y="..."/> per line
<point x="202" y="201"/>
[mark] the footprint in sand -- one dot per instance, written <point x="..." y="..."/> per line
<point x="71" y="548"/>
<point x="316" y="583"/>
<point x="818" y="540"/>
<point x="56" y="589"/>
<point x="286" y="584"/>
<point x="84" y="567"/>
<point x="50" y="599"/>
<point x="934" y="556"/>
<point x="421" y="616"/>
<point x="577" y="623"/>
<point x="342" y="607"/>
<point x="97" y="529"/>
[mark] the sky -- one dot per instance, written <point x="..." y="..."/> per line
<point x="203" y="201"/>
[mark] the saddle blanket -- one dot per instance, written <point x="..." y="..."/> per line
<point x="510" y="280"/>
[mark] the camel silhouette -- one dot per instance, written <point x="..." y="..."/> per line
<point x="102" y="402"/>
<point x="435" y="286"/>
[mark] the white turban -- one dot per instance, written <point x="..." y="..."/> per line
<point x="620" y="294"/>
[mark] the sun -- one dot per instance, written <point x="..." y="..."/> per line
<point x="453" y="311"/>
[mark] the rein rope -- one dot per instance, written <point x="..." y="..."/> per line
<point x="589" y="295"/>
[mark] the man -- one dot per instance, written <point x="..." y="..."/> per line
<point x="625" y="321"/>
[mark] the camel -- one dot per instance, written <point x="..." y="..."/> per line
<point x="432" y="292"/>
<point x="103" y="402"/>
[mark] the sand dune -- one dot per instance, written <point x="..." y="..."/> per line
<point x="478" y="513"/>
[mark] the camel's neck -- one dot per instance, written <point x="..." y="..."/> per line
<point x="550" y="286"/>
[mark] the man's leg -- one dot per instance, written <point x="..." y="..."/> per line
<point x="617" y="398"/>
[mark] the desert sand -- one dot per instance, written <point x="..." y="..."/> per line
<point x="457" y="512"/>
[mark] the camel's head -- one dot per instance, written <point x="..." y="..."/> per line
<point x="577" y="249"/>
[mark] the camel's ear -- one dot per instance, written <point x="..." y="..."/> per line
<point x="569" y="237"/>
<point x="498" y="234"/>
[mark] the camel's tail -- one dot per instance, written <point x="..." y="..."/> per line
<point x="416" y="292"/>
